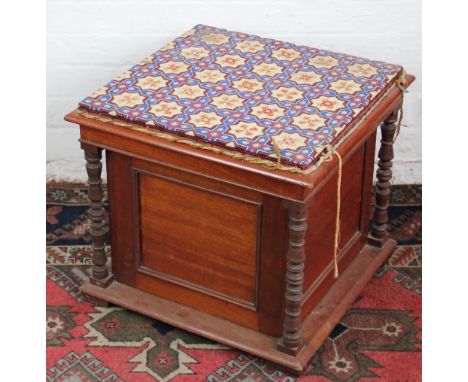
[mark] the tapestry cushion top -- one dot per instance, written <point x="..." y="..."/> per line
<point x="254" y="95"/>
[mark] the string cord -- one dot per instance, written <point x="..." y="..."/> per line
<point x="277" y="152"/>
<point x="329" y="152"/>
<point x="327" y="155"/>
<point x="401" y="84"/>
<point x="338" y="211"/>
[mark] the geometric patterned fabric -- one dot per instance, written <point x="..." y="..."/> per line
<point x="246" y="93"/>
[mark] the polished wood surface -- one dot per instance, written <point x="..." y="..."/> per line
<point x="234" y="251"/>
<point x="291" y="341"/>
<point x="316" y="327"/>
<point x="354" y="218"/>
<point x="100" y="274"/>
<point x="379" y="232"/>
<point x="198" y="241"/>
<point x="199" y="238"/>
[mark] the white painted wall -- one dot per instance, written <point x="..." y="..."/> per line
<point x="90" y="41"/>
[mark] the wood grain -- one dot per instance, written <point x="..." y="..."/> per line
<point x="199" y="238"/>
<point x="100" y="274"/>
<point x="291" y="341"/>
<point x="180" y="242"/>
<point x="317" y="325"/>
<point x="384" y="175"/>
<point x="234" y="251"/>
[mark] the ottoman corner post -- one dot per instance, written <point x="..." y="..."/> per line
<point x="291" y="341"/>
<point x="379" y="232"/>
<point x="101" y="275"/>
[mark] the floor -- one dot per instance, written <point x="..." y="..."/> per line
<point x="379" y="337"/>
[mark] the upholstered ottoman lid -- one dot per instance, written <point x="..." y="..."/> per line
<point x="261" y="97"/>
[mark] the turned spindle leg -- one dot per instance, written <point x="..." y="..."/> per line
<point x="291" y="341"/>
<point x="100" y="274"/>
<point x="378" y="233"/>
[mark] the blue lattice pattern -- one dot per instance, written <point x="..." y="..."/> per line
<point x="242" y="92"/>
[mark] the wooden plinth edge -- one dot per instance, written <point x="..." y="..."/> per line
<point x="321" y="321"/>
<point x="316" y="327"/>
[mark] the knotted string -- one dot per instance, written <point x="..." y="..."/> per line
<point x="277" y="152"/>
<point x="329" y="152"/>
<point x="401" y="84"/>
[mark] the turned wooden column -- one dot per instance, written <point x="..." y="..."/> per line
<point x="378" y="232"/>
<point x="291" y="341"/>
<point x="100" y="273"/>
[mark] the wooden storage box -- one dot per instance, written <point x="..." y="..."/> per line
<point x="240" y="250"/>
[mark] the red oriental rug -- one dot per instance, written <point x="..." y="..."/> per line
<point x="379" y="338"/>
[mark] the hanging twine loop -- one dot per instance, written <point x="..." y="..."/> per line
<point x="277" y="152"/>
<point x="328" y="153"/>
<point x="401" y="84"/>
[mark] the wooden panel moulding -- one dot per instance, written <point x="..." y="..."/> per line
<point x="175" y="227"/>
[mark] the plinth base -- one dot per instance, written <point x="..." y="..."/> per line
<point x="316" y="327"/>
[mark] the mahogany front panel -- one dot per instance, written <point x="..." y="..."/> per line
<point x="194" y="240"/>
<point x="196" y="237"/>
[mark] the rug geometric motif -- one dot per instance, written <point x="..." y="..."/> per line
<point x="406" y="265"/>
<point x="59" y="322"/>
<point x="84" y="368"/>
<point x="76" y="230"/>
<point x="342" y="358"/>
<point x="378" y="338"/>
<point x="164" y="355"/>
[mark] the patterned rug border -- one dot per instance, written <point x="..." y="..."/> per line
<point x="76" y="194"/>
<point x="88" y="342"/>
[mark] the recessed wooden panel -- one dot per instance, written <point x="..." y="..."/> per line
<point x="198" y="238"/>
<point x="355" y="200"/>
<point x="265" y="314"/>
<point x="321" y="230"/>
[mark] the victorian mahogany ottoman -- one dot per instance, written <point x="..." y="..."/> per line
<point x="240" y="177"/>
